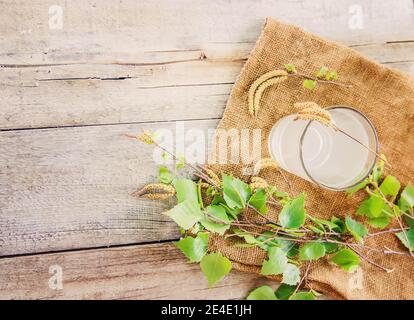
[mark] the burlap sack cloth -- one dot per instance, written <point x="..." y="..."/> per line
<point x="384" y="95"/>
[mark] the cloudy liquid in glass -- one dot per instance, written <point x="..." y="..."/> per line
<point x="330" y="157"/>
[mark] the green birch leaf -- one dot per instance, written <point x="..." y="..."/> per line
<point x="193" y="248"/>
<point x="165" y="156"/>
<point x="409" y="221"/>
<point x="200" y="195"/>
<point x="407" y="239"/>
<point x="358" y="230"/>
<point x="272" y="190"/>
<point x="372" y="207"/>
<point x="309" y="84"/>
<point x="235" y="192"/>
<point x="276" y="263"/>
<point x="232" y="212"/>
<point x="293" y="213"/>
<point x="330" y="247"/>
<point x="290" y="68"/>
<point x="407" y="198"/>
<point x="218" y="199"/>
<point x="179" y="166"/>
<point x="165" y="176"/>
<point x="291" y="274"/>
<point x="312" y="251"/>
<point x="379" y="223"/>
<point x="378" y="169"/>
<point x="215" y="267"/>
<point x="284" y="291"/>
<point x="390" y="186"/>
<point x="340" y="224"/>
<point x="287" y="246"/>
<point x="262" y="293"/>
<point x="358" y="187"/>
<point x="186" y="189"/>
<point x="258" y="200"/>
<point x="322" y="72"/>
<point x="395" y="210"/>
<point x="317" y="230"/>
<point x="264" y="243"/>
<point x="246" y="236"/>
<point x="346" y="259"/>
<point x="185" y="214"/>
<point x="333" y="75"/>
<point x="323" y="223"/>
<point x="243" y="189"/>
<point x="292" y="250"/>
<point x="181" y="162"/>
<point x="302" y="295"/>
<point x="219" y="213"/>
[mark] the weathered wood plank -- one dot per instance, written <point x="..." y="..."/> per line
<point x="70" y="188"/>
<point x="133" y="272"/>
<point x="147" y="51"/>
<point x="388" y="52"/>
<point x="67" y="94"/>
<point x="93" y="31"/>
<point x="158" y="94"/>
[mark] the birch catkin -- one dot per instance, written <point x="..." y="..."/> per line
<point x="265" y="163"/>
<point x="258" y="183"/>
<point x="260" y="85"/>
<point x="213" y="176"/>
<point x="155" y="191"/>
<point x="312" y="111"/>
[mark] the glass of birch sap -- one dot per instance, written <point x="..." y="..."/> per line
<point x="322" y="154"/>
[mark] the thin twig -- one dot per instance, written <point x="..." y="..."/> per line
<point x="362" y="144"/>
<point x="370" y="261"/>
<point x="371" y="249"/>
<point x="286" y="180"/>
<point x="202" y="175"/>
<point x="392" y="230"/>
<point x="273" y="203"/>
<point x="391" y="251"/>
<point x="406" y="236"/>
<point x="303" y="279"/>
<point x="301" y="75"/>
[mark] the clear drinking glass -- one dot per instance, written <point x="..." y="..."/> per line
<point x="323" y="155"/>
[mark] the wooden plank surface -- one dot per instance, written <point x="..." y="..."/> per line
<point x="167" y="67"/>
<point x="71" y="188"/>
<point x="66" y="95"/>
<point x="107" y="29"/>
<point x="133" y="272"/>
